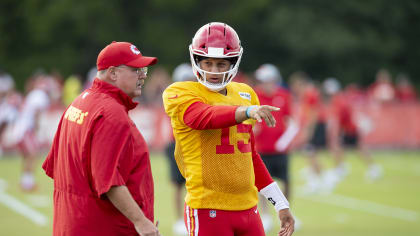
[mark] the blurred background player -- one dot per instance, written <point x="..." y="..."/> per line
<point x="273" y="142"/>
<point x="312" y="118"/>
<point x="212" y="122"/>
<point x="43" y="91"/>
<point x="382" y="90"/>
<point x="344" y="132"/>
<point x="404" y="89"/>
<point x="9" y="105"/>
<point x="182" y="72"/>
<point x="71" y="88"/>
<point x="154" y="87"/>
<point x="90" y="77"/>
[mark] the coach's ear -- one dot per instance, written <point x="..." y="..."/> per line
<point x="111" y="73"/>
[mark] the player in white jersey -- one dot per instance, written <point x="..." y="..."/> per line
<point x="24" y="130"/>
<point x="8" y="106"/>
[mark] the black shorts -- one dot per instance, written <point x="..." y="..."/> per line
<point x="175" y="175"/>
<point x="319" y="137"/>
<point x="350" y="140"/>
<point x="278" y="165"/>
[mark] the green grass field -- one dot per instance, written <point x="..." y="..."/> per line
<point x="390" y="206"/>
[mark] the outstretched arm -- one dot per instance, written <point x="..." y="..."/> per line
<point x="258" y="113"/>
<point x="204" y="116"/>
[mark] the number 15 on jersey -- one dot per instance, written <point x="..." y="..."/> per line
<point x="226" y="147"/>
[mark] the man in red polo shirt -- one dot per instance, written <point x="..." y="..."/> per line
<point x="99" y="161"/>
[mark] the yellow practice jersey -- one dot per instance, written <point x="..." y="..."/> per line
<point x="216" y="163"/>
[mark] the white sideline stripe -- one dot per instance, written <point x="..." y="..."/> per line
<point x="23" y="209"/>
<point x="19" y="207"/>
<point x="364" y="205"/>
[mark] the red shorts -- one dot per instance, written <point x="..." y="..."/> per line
<point x="29" y="144"/>
<point x="204" y="222"/>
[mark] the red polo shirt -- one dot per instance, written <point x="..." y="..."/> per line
<point x="98" y="146"/>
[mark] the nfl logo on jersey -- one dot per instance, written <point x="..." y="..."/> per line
<point x="212" y="213"/>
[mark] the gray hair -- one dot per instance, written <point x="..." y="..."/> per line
<point x="100" y="74"/>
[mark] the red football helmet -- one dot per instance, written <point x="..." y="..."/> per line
<point x="216" y="40"/>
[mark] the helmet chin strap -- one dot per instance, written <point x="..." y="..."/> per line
<point x="202" y="78"/>
<point x="213" y="87"/>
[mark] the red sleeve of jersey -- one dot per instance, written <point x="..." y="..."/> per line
<point x="107" y="153"/>
<point x="262" y="176"/>
<point x="203" y="116"/>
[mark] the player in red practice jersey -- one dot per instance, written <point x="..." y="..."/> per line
<point x="344" y="133"/>
<point x="314" y="118"/>
<point x="273" y="142"/>
<point x="312" y="114"/>
<point x="215" y="151"/>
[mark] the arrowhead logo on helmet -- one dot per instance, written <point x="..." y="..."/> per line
<point x="216" y="40"/>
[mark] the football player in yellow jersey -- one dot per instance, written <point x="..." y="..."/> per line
<point x="212" y="123"/>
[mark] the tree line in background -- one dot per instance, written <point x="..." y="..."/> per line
<point x="349" y="40"/>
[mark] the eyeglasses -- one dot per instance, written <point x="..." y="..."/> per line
<point x="139" y="71"/>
